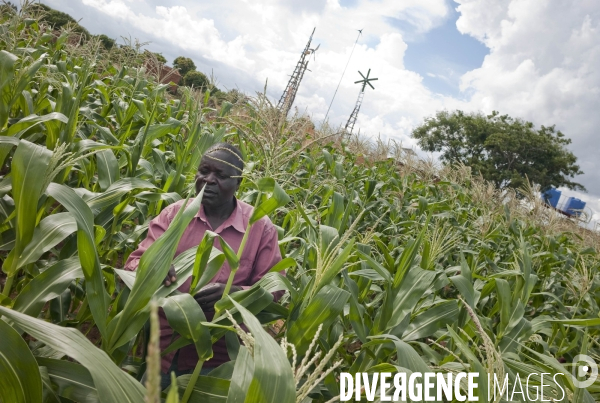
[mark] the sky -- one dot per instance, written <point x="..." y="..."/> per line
<point x="538" y="60"/>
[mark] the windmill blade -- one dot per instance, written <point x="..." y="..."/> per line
<point x="368" y="72"/>
<point x="361" y="74"/>
<point x="370" y="85"/>
<point x="317" y="48"/>
<point x="359" y="81"/>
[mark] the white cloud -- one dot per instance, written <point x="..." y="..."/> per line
<point x="544" y="66"/>
<point x="176" y="25"/>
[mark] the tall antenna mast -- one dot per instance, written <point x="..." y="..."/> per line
<point x="342" y="77"/>
<point x="352" y="120"/>
<point x="289" y="94"/>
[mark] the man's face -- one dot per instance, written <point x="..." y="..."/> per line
<point x="216" y="176"/>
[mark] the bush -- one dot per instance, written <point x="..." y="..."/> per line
<point x="184" y="64"/>
<point x="197" y="80"/>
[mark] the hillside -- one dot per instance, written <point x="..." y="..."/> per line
<point x="392" y="263"/>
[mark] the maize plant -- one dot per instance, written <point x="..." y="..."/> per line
<point x="391" y="264"/>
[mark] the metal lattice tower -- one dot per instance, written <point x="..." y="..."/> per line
<point x="352" y="120"/>
<point x="289" y="94"/>
<point x="350" y="124"/>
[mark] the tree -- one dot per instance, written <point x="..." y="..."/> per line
<point x="57" y="19"/>
<point x="8" y="8"/>
<point x="106" y="41"/>
<point x="160" y="58"/>
<point x="504" y="150"/>
<point x="197" y="80"/>
<point x="184" y="64"/>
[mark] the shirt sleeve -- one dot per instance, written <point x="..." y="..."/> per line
<point x="267" y="256"/>
<point x="156" y="228"/>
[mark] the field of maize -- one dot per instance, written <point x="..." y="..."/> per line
<point x="392" y="264"/>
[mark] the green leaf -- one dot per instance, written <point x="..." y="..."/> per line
<point x="356" y="309"/>
<point x="335" y="211"/>
<point x="207" y="263"/>
<point x="183" y="263"/>
<point x="206" y="390"/>
<point x="6" y="145"/>
<point x="86" y="248"/>
<point x="482" y="382"/>
<point x="28" y="165"/>
<point x="324" y="308"/>
<point x="18" y="129"/>
<point x="464" y="282"/>
<point x="231" y="256"/>
<point x="26" y="76"/>
<point x="52" y="230"/>
<point x="407" y="356"/>
<point x="334" y="266"/>
<point x="254" y="299"/>
<point x="504" y="299"/>
<point x="283" y="264"/>
<point x="185" y="317"/>
<point x="408" y="256"/>
<point x="273" y="380"/>
<point x="279" y="198"/>
<point x="47" y="285"/>
<point x="7" y="71"/>
<point x="173" y="394"/>
<point x="589" y="322"/>
<point x="48" y="394"/>
<point x="117" y="190"/>
<point x="376" y="266"/>
<point x="20" y="380"/>
<point x="73" y="381"/>
<point x="112" y="383"/>
<point x="142" y="108"/>
<point x="414" y="285"/>
<point x="242" y="376"/>
<point x="429" y="321"/>
<point x="59" y="306"/>
<point x="108" y="169"/>
<point x="274" y="281"/>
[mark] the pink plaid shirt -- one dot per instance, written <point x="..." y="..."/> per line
<point x="260" y="254"/>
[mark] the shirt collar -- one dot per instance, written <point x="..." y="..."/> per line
<point x="235" y="220"/>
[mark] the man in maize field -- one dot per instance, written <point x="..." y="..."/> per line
<point x="219" y="173"/>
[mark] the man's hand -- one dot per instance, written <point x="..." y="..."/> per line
<point x="171" y="277"/>
<point x="210" y="294"/>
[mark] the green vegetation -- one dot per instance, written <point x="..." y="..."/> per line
<point x="392" y="264"/>
<point x="160" y="58"/>
<point x="184" y="64"/>
<point x="57" y="19"/>
<point x="107" y="42"/>
<point x="192" y="77"/>
<point x="504" y="150"/>
<point x="197" y="80"/>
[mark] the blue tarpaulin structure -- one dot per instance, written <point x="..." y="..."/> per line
<point x="551" y="196"/>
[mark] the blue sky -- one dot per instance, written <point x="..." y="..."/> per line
<point x="534" y="59"/>
<point x="441" y="56"/>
